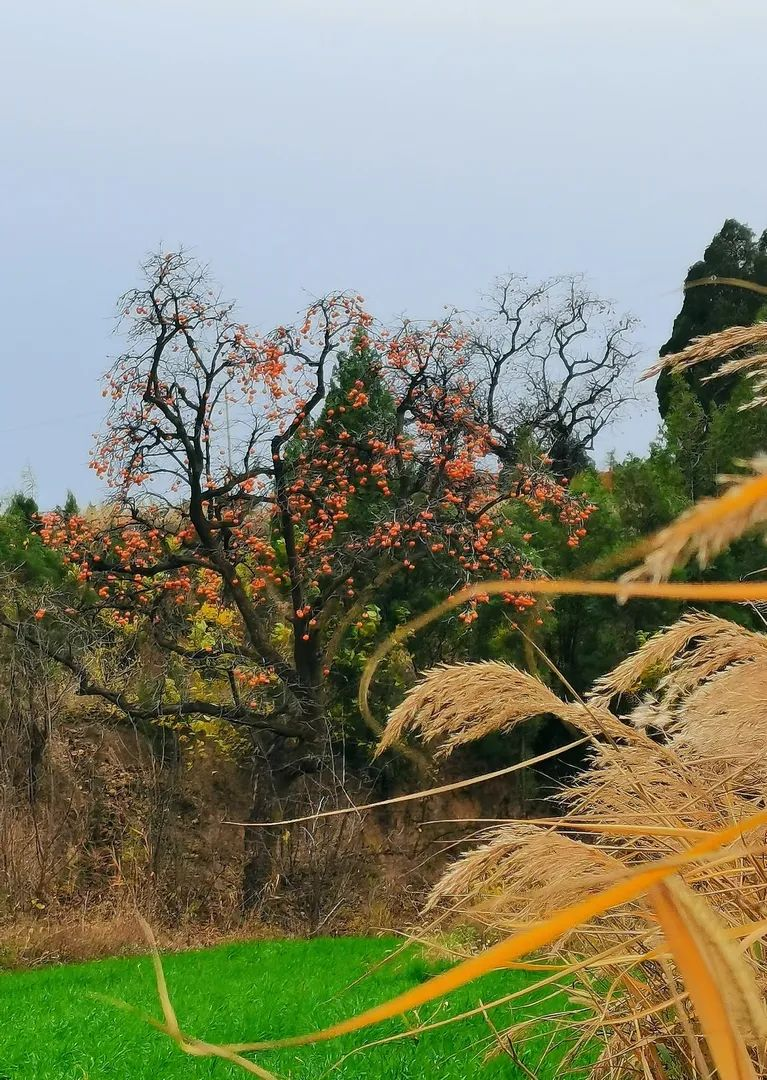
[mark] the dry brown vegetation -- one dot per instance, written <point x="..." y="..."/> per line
<point x="107" y="820"/>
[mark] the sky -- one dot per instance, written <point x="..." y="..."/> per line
<point x="410" y="150"/>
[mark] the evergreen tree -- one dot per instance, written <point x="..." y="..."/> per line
<point x="22" y="553"/>
<point x="70" y="507"/>
<point x="358" y="401"/>
<point x="686" y="437"/>
<point x="360" y="368"/>
<point x="23" y="508"/>
<point x="733" y="252"/>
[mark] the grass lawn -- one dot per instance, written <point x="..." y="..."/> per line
<point x="51" y="1029"/>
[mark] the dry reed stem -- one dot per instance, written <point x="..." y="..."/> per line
<point x="733" y="282"/>
<point x="726" y="999"/>
<point x="712" y="683"/>
<point x="708" y="528"/>
<point x="187" y="1044"/>
<point x="478" y="1010"/>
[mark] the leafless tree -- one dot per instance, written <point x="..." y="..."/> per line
<point x="552" y="363"/>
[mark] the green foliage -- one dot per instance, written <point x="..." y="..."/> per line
<point x="358" y="370"/>
<point x="586" y="636"/>
<point x="686" y="437"/>
<point x="24" y="508"/>
<point x="360" y="365"/>
<point x="21" y="550"/>
<point x="733" y="252"/>
<point x="735" y="434"/>
<point x="70" y="507"/>
<point x="702" y="444"/>
<point x="647" y="493"/>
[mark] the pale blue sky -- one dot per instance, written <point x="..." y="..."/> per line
<point x="408" y="149"/>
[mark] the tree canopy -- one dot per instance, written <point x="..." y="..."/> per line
<point x="734" y="252"/>
<point x="267" y="488"/>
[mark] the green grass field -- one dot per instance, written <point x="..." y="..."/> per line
<point x="51" y="1028"/>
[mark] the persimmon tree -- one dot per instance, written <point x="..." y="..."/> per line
<point x="265" y="487"/>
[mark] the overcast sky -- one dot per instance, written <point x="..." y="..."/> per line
<point x="408" y="149"/>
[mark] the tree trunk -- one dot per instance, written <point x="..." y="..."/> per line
<point x="261" y="846"/>
<point x="276" y="766"/>
<point x="38" y="743"/>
